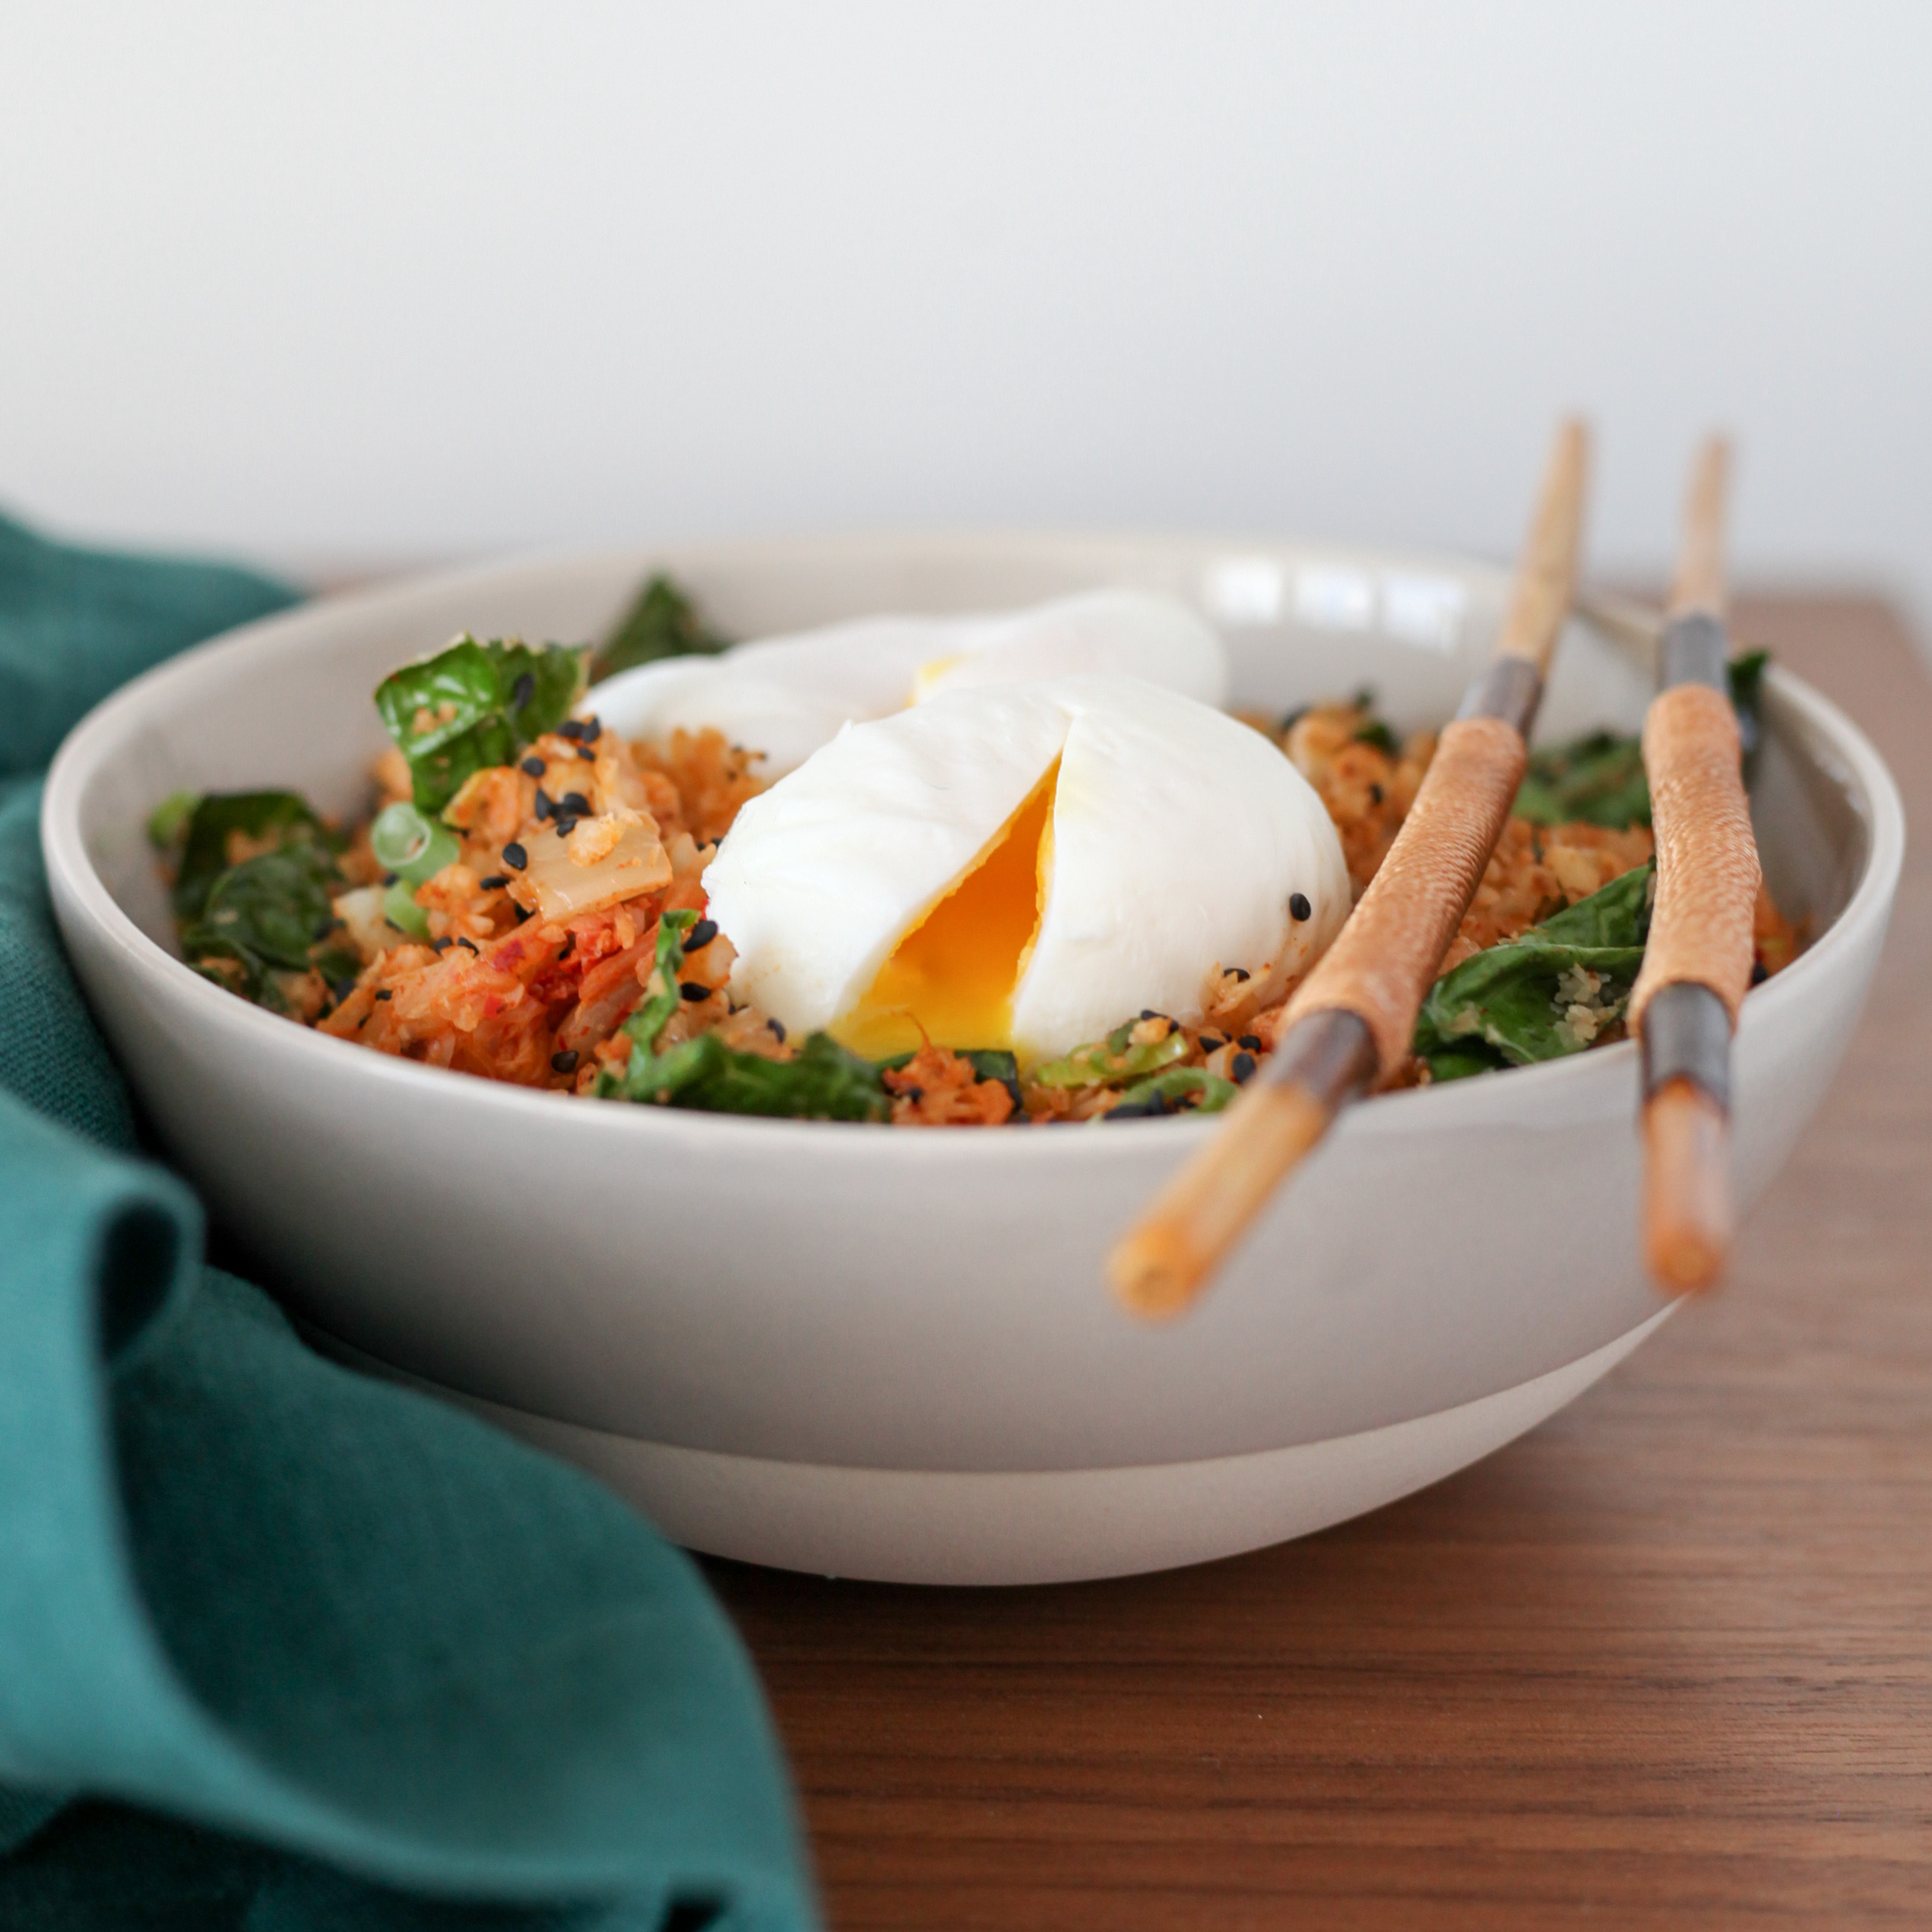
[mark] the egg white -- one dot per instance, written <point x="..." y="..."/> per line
<point x="1178" y="836"/>
<point x="820" y="877"/>
<point x="786" y="696"/>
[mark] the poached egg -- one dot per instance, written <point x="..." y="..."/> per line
<point x="1025" y="866"/>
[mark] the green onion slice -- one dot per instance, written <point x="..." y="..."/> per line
<point x="410" y="845"/>
<point x="401" y="909"/>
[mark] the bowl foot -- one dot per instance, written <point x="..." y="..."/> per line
<point x="1048" y="1526"/>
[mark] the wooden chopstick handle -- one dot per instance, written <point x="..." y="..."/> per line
<point x="1546" y="574"/>
<point x="1702" y="927"/>
<point x="1355" y="1013"/>
<point x="1687" y="1221"/>
<point x="1699" y="584"/>
<point x="1696" y="970"/>
<point x="1164" y="1260"/>
<point x="1708" y="875"/>
<point x="1384" y="961"/>
<point x="1697" y="960"/>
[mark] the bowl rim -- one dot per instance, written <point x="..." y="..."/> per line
<point x="79" y="890"/>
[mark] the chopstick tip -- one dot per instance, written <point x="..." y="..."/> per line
<point x="1688" y="1216"/>
<point x="1156" y="1271"/>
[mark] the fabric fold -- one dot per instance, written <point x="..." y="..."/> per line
<point x="281" y="1647"/>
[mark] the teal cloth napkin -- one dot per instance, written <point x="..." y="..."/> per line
<point x="282" y="1648"/>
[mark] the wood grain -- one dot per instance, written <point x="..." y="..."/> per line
<point x="1707" y="865"/>
<point x="1665" y="1662"/>
<point x="1545" y="570"/>
<point x="1701" y="581"/>
<point x="1387" y="955"/>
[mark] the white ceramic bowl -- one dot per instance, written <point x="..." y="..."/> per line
<point x="890" y="1353"/>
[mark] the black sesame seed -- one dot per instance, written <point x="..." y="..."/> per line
<point x="515" y="857"/>
<point x="1249" y="1042"/>
<point x="701" y="935"/>
<point x="565" y="825"/>
<point x="915" y="1094"/>
<point x="388" y="878"/>
<point x="1298" y="907"/>
<point x="593" y="730"/>
<point x="342" y="989"/>
<point x="1375" y="794"/>
<point x="1238" y="972"/>
<point x="575" y="801"/>
<point x="585" y="751"/>
<point x="546" y="805"/>
<point x="564" y="1062"/>
<point x="1148" y="1013"/>
<point x="495" y="883"/>
<point x="694" y="989"/>
<point x="571" y="727"/>
<point x="441" y="945"/>
<point x="523" y="691"/>
<point x="535" y="766"/>
<point x="473" y="946"/>
<point x="1242" y="1067"/>
<point x="386" y="993"/>
<point x="1212" y="1042"/>
<point x="778" y="1031"/>
<point x="1759" y="973"/>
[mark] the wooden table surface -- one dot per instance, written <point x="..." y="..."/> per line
<point x="1667" y="1661"/>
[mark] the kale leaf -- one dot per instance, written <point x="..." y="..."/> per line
<point x="269" y="914"/>
<point x="275" y="819"/>
<point x="991" y="1062"/>
<point x="262" y="917"/>
<point x="648" y="1022"/>
<point x="822" y="1081"/>
<point x="663" y="623"/>
<point x="1746" y="681"/>
<point x="475" y="705"/>
<point x="1509" y="1005"/>
<point x="1599" y="779"/>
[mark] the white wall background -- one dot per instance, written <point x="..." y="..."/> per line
<point x="326" y="279"/>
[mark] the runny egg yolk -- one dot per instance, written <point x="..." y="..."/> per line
<point x="952" y="977"/>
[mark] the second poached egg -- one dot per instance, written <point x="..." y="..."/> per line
<point x="786" y="696"/>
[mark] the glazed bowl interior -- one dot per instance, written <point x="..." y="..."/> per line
<point x="1302" y="625"/>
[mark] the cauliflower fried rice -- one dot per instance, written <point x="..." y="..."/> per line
<point x="543" y="931"/>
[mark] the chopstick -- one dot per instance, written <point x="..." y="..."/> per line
<point x="1697" y="960"/>
<point x="1353" y="1017"/>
